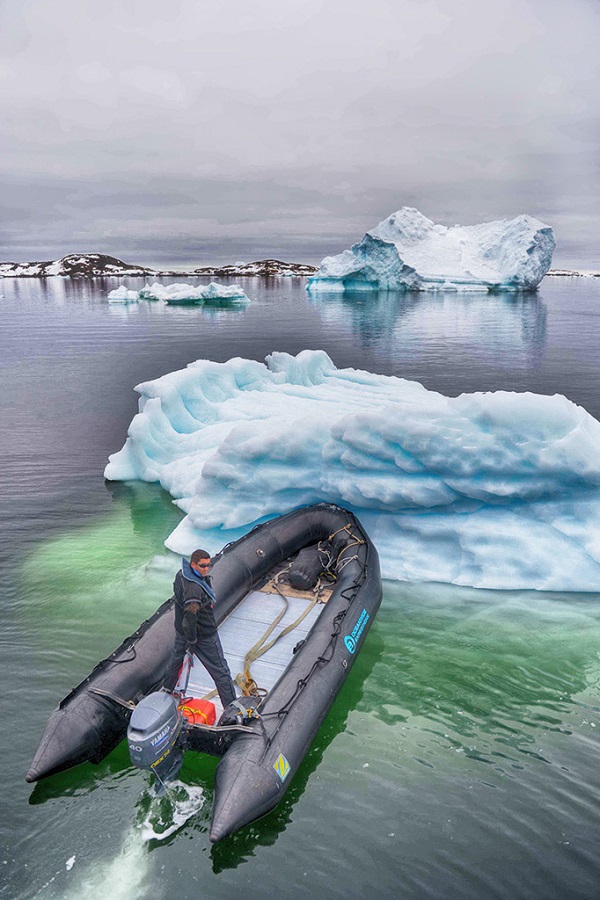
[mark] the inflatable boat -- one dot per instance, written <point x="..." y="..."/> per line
<point x="296" y="597"/>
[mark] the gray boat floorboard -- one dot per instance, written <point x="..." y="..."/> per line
<point x="243" y="628"/>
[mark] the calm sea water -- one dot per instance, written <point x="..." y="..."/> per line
<point x="461" y="757"/>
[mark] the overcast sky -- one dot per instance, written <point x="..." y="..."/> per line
<point x="178" y="131"/>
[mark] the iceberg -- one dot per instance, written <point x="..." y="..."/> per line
<point x="407" y="251"/>
<point x="123" y="295"/>
<point x="492" y="490"/>
<point x="216" y="291"/>
<point x="181" y="293"/>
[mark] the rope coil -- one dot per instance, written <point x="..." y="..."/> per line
<point x="245" y="679"/>
<point x="331" y="569"/>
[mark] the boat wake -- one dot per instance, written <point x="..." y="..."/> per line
<point x="126" y="877"/>
<point x="167" y="814"/>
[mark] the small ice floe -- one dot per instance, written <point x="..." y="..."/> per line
<point x="216" y="291"/>
<point x="123" y="295"/>
<point x="211" y="293"/>
<point x="182" y="293"/>
<point x="70" y="863"/>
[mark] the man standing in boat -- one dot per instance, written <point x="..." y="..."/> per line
<point x="195" y="626"/>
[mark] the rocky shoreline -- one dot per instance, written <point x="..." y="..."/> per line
<point x="568" y="273"/>
<point x="98" y="265"/>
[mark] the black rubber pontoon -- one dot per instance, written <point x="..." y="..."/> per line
<point x="261" y="757"/>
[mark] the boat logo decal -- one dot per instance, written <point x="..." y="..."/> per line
<point x="351" y="640"/>
<point x="282" y="767"/>
<point x="158" y="761"/>
<point x="160" y="736"/>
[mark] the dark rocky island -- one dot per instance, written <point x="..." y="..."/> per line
<point x="572" y="274"/>
<point x="84" y="265"/>
<point x="263" y="267"/>
<point x="98" y="265"/>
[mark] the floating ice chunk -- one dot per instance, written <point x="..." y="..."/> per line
<point x="172" y="293"/>
<point x="407" y="251"/>
<point x="123" y="295"/>
<point x="496" y="490"/>
<point x="185" y="293"/>
<point x="216" y="291"/>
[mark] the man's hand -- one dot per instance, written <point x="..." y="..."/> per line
<point x="189" y="622"/>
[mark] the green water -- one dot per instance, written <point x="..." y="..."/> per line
<point x="105" y="576"/>
<point x="461" y="751"/>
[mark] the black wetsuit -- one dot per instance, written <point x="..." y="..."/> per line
<point x="198" y="631"/>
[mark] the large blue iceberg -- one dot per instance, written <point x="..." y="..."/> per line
<point x="493" y="490"/>
<point x="407" y="251"/>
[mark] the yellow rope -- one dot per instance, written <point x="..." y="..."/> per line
<point x="245" y="680"/>
<point x="357" y="541"/>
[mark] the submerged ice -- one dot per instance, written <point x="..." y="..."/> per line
<point x="494" y="490"/>
<point x="407" y="251"/>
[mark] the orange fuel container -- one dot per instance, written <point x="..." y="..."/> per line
<point x="198" y="712"/>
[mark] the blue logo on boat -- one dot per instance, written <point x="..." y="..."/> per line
<point x="351" y="640"/>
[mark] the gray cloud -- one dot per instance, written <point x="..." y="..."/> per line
<point x="201" y="132"/>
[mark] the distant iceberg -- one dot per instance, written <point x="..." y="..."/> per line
<point x="407" y="251"/>
<point x="123" y="295"/>
<point x="493" y="490"/>
<point x="181" y="293"/>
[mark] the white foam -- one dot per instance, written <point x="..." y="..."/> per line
<point x="127" y="876"/>
<point x="170" y="813"/>
<point x="123" y="878"/>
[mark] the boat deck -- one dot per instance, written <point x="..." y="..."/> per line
<point x="244" y="627"/>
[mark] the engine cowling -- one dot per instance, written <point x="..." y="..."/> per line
<point x="153" y="735"/>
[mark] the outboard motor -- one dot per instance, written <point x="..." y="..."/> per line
<point x="153" y="734"/>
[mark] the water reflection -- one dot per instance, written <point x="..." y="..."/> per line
<point x="509" y="327"/>
<point x="57" y="292"/>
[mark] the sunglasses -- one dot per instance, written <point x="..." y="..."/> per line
<point x="203" y="565"/>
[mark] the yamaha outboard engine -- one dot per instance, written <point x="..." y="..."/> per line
<point x="153" y="734"/>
